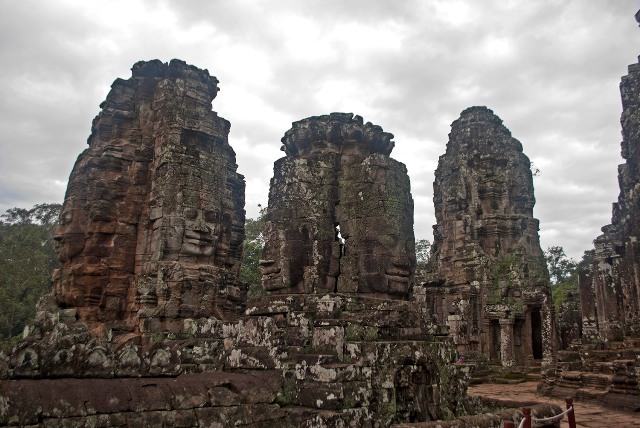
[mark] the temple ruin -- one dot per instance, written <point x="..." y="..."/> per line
<point x="148" y="323"/>
<point x="338" y="268"/>
<point x="147" y="320"/>
<point x="153" y="219"/>
<point x="604" y="364"/>
<point x="340" y="216"/>
<point x="611" y="292"/>
<point x="489" y="282"/>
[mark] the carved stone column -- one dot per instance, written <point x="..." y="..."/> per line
<point x="506" y="342"/>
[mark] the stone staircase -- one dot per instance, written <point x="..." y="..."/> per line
<point x="608" y="373"/>
<point x="482" y="371"/>
<point x="348" y="357"/>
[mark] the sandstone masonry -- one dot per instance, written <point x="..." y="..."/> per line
<point x="489" y="281"/>
<point x="147" y="322"/>
<point x="605" y="364"/>
<point x="153" y="219"/>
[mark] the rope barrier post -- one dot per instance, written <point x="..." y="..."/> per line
<point x="571" y="415"/>
<point x="527" y="417"/>
<point x="508" y="424"/>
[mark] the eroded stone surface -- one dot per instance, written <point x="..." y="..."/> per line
<point x="337" y="271"/>
<point x="340" y="215"/>
<point x="489" y="281"/>
<point x="614" y="282"/>
<point x="154" y="325"/>
<point x="152" y="223"/>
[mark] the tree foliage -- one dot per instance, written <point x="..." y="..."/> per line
<point x="250" y="272"/>
<point x="564" y="271"/>
<point x="560" y="266"/>
<point x="27" y="258"/>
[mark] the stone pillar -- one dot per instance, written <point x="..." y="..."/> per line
<point x="588" y="307"/>
<point x="527" y="337"/>
<point x="458" y="332"/>
<point x="486" y="338"/>
<point x="549" y="337"/>
<point x="506" y="342"/>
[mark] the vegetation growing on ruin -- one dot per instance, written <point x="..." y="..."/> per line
<point x="501" y="275"/>
<point x="564" y="272"/>
<point x="250" y="273"/>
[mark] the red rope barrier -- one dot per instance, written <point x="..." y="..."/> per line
<point x="527" y="417"/>
<point x="571" y="416"/>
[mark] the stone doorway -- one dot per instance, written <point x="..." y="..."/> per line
<point x="536" y="334"/>
<point x="494" y="331"/>
<point x="518" y="351"/>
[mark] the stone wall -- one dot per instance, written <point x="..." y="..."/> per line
<point x="489" y="281"/>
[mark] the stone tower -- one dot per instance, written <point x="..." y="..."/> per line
<point x="144" y="325"/>
<point x="338" y="267"/>
<point x="493" y="288"/>
<point x="608" y="357"/>
<point x="153" y="218"/>
<point x="340" y="215"/>
<point x="610" y="293"/>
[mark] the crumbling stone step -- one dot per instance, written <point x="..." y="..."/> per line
<point x="598" y="381"/>
<point x="311" y="358"/>
<point x="329" y="372"/>
<point x="331" y="395"/>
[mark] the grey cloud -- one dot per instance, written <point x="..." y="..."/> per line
<point x="555" y="86"/>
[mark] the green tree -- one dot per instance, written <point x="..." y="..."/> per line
<point x="560" y="266"/>
<point x="27" y="258"/>
<point x="250" y="272"/>
<point x="567" y="271"/>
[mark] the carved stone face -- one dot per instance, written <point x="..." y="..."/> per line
<point x="386" y="260"/>
<point x="270" y="262"/>
<point x="201" y="232"/>
<point x="69" y="235"/>
<point x="340" y="212"/>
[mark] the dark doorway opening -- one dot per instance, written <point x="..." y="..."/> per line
<point x="518" y="328"/>
<point x="536" y="334"/>
<point x="494" y="354"/>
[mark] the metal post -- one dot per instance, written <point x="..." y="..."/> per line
<point x="527" y="417"/>
<point x="571" y="416"/>
<point x="508" y="424"/>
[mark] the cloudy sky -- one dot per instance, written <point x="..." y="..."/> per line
<point x="550" y="69"/>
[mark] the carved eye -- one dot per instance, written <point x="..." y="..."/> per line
<point x="389" y="241"/>
<point x="211" y="217"/>
<point x="66" y="218"/>
<point x="190" y="213"/>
